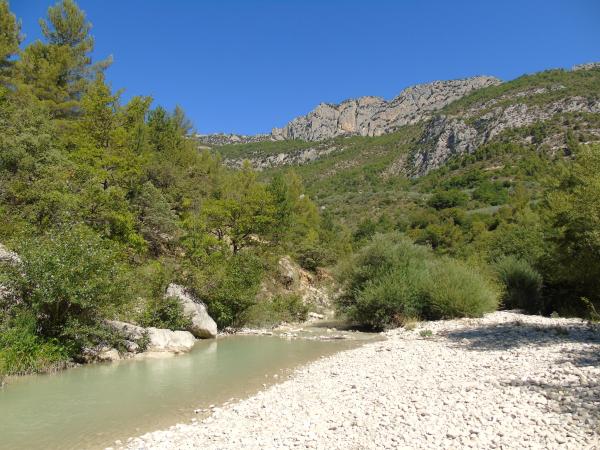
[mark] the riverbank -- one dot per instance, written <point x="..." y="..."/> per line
<point x="504" y="381"/>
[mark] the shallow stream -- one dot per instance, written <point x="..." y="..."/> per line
<point x="92" y="406"/>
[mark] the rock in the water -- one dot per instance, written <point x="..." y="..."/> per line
<point x="203" y="326"/>
<point x="108" y="354"/>
<point x="161" y="340"/>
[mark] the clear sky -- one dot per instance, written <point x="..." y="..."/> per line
<point x="245" y="66"/>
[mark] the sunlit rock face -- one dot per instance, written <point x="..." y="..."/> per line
<point x="374" y="116"/>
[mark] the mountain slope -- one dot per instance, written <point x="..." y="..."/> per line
<point x="374" y="116"/>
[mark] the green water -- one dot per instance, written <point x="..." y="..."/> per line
<point x="92" y="406"/>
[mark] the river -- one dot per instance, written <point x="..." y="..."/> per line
<point x="91" y="406"/>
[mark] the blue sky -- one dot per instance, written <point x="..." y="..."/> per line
<point x="246" y="66"/>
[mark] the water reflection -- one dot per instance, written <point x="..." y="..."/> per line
<point x="91" y="406"/>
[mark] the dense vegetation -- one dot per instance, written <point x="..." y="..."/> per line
<point x="107" y="203"/>
<point x="521" y="208"/>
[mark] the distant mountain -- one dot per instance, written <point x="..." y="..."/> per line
<point x="444" y="119"/>
<point x="374" y="116"/>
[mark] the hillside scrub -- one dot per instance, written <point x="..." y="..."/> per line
<point x="391" y="280"/>
<point x="110" y="201"/>
<point x="523" y="284"/>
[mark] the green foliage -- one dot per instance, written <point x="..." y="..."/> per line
<point x="458" y="290"/>
<point x="69" y="281"/>
<point x="10" y="39"/>
<point x="448" y="199"/>
<point x="522" y="284"/>
<point x="227" y="284"/>
<point x="491" y="193"/>
<point x="573" y="212"/>
<point x="22" y="351"/>
<point x="391" y="280"/>
<point x="164" y="313"/>
<point x="59" y="70"/>
<point x="272" y="312"/>
<point x="244" y="209"/>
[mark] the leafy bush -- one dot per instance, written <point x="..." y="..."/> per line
<point x="281" y="308"/>
<point x="492" y="193"/>
<point x="22" y="351"/>
<point x="165" y="313"/>
<point x="69" y="281"/>
<point x="228" y="285"/>
<point x="391" y="280"/>
<point x="448" y="199"/>
<point x="311" y="257"/>
<point x="457" y="290"/>
<point x="522" y="284"/>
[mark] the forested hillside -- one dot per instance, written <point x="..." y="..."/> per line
<point x="490" y="202"/>
<point x="106" y="203"/>
<point x="504" y="178"/>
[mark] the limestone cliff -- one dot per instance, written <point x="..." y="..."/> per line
<point x="374" y="116"/>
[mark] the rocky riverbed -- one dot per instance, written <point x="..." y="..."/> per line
<point x="504" y="381"/>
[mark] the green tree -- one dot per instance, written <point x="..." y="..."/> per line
<point x="10" y="39"/>
<point x="70" y="281"/>
<point x="573" y="212"/>
<point x="59" y="70"/>
<point x="243" y="212"/>
<point x="158" y="222"/>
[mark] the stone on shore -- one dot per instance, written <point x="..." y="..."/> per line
<point x="504" y="381"/>
<point x="203" y="326"/>
<point x="159" y="340"/>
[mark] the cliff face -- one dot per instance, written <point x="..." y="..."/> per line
<point x="374" y="116"/>
<point x="446" y="136"/>
<point x="435" y="122"/>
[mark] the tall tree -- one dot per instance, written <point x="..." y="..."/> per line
<point x="10" y="39"/>
<point x="243" y="212"/>
<point x="60" y="69"/>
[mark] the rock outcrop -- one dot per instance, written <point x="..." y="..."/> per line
<point x="313" y="289"/>
<point x="203" y="326"/>
<point x="158" y="339"/>
<point x="230" y="138"/>
<point x="297" y="157"/>
<point x="8" y="257"/>
<point x="587" y="66"/>
<point x="447" y="136"/>
<point x="374" y="116"/>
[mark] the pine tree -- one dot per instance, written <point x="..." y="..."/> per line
<point x="10" y="39"/>
<point x="60" y="69"/>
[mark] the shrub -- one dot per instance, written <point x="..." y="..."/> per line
<point x="391" y="280"/>
<point x="164" y="313"/>
<point x="228" y="284"/>
<point x="492" y="193"/>
<point x="22" y="351"/>
<point x="281" y="308"/>
<point x="311" y="257"/>
<point x="69" y="281"/>
<point x="522" y="284"/>
<point x="458" y="290"/>
<point x="448" y="199"/>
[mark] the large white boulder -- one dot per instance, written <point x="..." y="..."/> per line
<point x="203" y="326"/>
<point x="159" y="340"/>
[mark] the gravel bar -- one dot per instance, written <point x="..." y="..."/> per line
<point x="505" y="381"/>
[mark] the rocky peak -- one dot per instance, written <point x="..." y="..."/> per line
<point x="374" y="116"/>
<point x="586" y="66"/>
